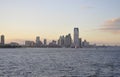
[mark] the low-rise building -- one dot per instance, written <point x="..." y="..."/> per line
<point x="29" y="43"/>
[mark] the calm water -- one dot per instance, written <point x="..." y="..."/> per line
<point x="31" y="62"/>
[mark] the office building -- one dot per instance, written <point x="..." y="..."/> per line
<point x="85" y="43"/>
<point x="45" y="42"/>
<point x="80" y="42"/>
<point x="61" y="41"/>
<point x="14" y="44"/>
<point x="37" y="39"/>
<point x="53" y="43"/>
<point x="38" y="42"/>
<point x="2" y="40"/>
<point x="29" y="43"/>
<point x="76" y="37"/>
<point x="68" y="41"/>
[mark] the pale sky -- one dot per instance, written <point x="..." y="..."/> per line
<point x="97" y="20"/>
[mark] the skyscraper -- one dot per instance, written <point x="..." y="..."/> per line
<point x="38" y="42"/>
<point x="61" y="41"/>
<point x="68" y="40"/>
<point x="80" y="42"/>
<point x="37" y="39"/>
<point x="45" y="42"/>
<point x="2" y="40"/>
<point x="76" y="37"/>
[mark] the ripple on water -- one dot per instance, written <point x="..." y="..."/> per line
<point x="59" y="63"/>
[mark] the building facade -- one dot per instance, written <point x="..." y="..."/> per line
<point x="68" y="41"/>
<point x="2" y="39"/>
<point x="76" y="37"/>
<point x="61" y="41"/>
<point x="45" y="42"/>
<point x="80" y="42"/>
<point x="85" y="44"/>
<point x="29" y="43"/>
<point x="38" y="42"/>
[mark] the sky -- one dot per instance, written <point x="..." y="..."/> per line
<point x="98" y="20"/>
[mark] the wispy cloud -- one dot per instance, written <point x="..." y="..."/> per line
<point x="112" y="25"/>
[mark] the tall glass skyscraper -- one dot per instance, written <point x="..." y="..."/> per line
<point x="76" y="37"/>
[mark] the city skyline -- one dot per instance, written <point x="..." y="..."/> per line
<point x="63" y="41"/>
<point x="25" y="19"/>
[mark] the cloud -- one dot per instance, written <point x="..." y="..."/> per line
<point x="112" y="25"/>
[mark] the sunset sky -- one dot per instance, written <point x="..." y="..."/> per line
<point x="97" y="20"/>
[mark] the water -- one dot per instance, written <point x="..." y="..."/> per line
<point x="40" y="62"/>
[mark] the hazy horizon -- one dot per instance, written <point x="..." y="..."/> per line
<point x="97" y="20"/>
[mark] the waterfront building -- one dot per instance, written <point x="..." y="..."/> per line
<point x="2" y="39"/>
<point x="68" y="40"/>
<point x="61" y="41"/>
<point x="14" y="44"/>
<point x="38" y="42"/>
<point x="76" y="37"/>
<point x="85" y="43"/>
<point x="45" y="42"/>
<point x="80" y="42"/>
<point x="52" y="44"/>
<point x="29" y="43"/>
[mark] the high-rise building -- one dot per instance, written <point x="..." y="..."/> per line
<point x="38" y="42"/>
<point x="76" y="37"/>
<point x="37" y="39"/>
<point x="61" y="41"/>
<point x="2" y="40"/>
<point x="68" y="40"/>
<point x="80" y="42"/>
<point x="45" y="42"/>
